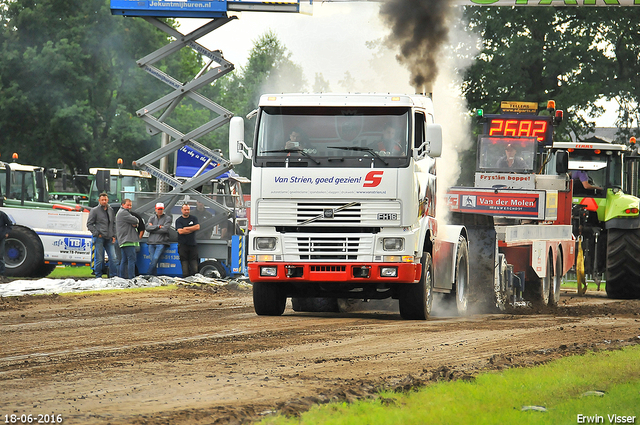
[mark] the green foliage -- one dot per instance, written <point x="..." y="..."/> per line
<point x="574" y="56"/>
<point x="561" y="387"/>
<point x="70" y="86"/>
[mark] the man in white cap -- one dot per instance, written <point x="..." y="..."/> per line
<point x="158" y="228"/>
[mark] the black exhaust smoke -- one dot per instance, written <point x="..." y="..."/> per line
<point x="420" y="29"/>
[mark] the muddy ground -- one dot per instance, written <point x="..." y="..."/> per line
<point x="202" y="356"/>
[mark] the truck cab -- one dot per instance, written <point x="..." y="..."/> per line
<point x="119" y="184"/>
<point x="343" y="201"/>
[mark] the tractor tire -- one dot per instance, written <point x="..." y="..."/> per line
<point x="268" y="299"/>
<point x="416" y="299"/>
<point x="212" y="269"/>
<point x="315" y="305"/>
<point x="23" y="252"/>
<point x="623" y="263"/>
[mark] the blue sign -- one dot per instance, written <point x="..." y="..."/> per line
<point x="170" y="8"/>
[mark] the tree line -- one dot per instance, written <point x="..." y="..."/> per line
<point x="70" y="86"/>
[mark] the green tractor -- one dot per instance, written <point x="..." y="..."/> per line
<point x="605" y="214"/>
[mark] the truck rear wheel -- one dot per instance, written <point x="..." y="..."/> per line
<point x="554" y="295"/>
<point x="268" y="299"/>
<point x="462" y="276"/>
<point x="623" y="263"/>
<point x="536" y="289"/>
<point x="416" y="299"/>
<point x="23" y="252"/>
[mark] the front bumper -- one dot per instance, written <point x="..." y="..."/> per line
<point x="334" y="272"/>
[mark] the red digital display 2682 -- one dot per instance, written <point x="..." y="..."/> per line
<point x="539" y="128"/>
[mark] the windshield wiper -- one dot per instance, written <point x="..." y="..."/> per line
<point x="360" y="149"/>
<point x="292" y="150"/>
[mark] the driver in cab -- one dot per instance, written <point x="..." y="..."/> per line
<point x="389" y="144"/>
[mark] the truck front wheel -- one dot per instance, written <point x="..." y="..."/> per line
<point x="623" y="263"/>
<point x="23" y="252"/>
<point x="268" y="299"/>
<point x="416" y="299"/>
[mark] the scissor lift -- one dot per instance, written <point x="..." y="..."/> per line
<point x="156" y="113"/>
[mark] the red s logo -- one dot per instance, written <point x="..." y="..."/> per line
<point x="373" y="179"/>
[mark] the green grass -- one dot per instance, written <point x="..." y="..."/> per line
<point x="498" y="398"/>
<point x="70" y="272"/>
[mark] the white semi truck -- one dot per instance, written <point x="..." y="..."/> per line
<point x="345" y="211"/>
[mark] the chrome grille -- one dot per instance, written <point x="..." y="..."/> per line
<point x="292" y="213"/>
<point x="329" y="247"/>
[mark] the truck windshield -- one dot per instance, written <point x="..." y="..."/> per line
<point x="333" y="136"/>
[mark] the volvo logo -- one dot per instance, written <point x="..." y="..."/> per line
<point x="328" y="213"/>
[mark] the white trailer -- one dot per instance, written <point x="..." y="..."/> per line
<point x="41" y="239"/>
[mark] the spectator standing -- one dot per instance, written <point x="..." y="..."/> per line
<point x="201" y="212"/>
<point x="187" y="225"/>
<point x="102" y="225"/>
<point x="158" y="227"/>
<point x="128" y="238"/>
<point x="5" y="227"/>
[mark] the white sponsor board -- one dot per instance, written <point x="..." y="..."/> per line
<point x="511" y="181"/>
<point x="333" y="183"/>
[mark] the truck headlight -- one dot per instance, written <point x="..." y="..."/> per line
<point x="264" y="244"/>
<point x="393" y="244"/>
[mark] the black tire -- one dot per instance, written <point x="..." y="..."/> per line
<point x="316" y="305"/>
<point x="537" y="289"/>
<point x="268" y="299"/>
<point x="23" y="252"/>
<point x="623" y="263"/>
<point x="212" y="269"/>
<point x="44" y="270"/>
<point x="462" y="277"/>
<point x="416" y="299"/>
<point x="554" y="294"/>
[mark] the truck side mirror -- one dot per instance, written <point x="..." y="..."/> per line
<point x="236" y="140"/>
<point x="434" y="140"/>
<point x="562" y="162"/>
<point x="103" y="181"/>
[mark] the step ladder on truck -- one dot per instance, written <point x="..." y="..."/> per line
<point x="518" y="220"/>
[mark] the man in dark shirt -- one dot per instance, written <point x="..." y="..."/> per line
<point x="187" y="225"/>
<point x="5" y="228"/>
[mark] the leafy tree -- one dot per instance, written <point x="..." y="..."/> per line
<point x="572" y="55"/>
<point x="320" y="85"/>
<point x="69" y="84"/>
<point x="269" y="69"/>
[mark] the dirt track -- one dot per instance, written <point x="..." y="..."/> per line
<point x="203" y="356"/>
